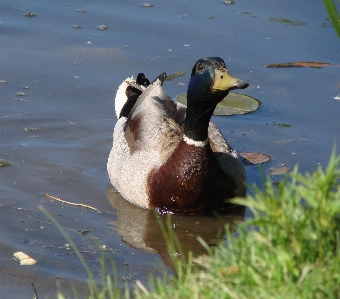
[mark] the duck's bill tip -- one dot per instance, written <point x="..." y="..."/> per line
<point x="242" y="84"/>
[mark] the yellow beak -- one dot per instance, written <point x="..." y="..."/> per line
<point x="223" y="81"/>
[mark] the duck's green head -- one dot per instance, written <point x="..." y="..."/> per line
<point x="210" y="81"/>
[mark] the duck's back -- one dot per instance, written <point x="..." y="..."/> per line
<point x="143" y="141"/>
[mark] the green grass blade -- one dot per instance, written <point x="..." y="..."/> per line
<point x="333" y="14"/>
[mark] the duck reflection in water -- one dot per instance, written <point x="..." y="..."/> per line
<point x="140" y="228"/>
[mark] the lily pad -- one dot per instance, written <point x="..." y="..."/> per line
<point x="233" y="103"/>
<point x="254" y="158"/>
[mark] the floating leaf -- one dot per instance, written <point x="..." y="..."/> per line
<point x="300" y="64"/>
<point x="4" y="163"/>
<point x="147" y="5"/>
<point x="175" y="75"/>
<point x="279" y="170"/>
<point x="233" y="103"/>
<point x="254" y="158"/>
<point x="24" y="259"/>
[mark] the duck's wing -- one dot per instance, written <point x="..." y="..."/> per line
<point x="143" y="141"/>
<point x="218" y="142"/>
<point x="227" y="158"/>
<point x="155" y="123"/>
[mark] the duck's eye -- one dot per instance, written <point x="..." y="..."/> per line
<point x="200" y="67"/>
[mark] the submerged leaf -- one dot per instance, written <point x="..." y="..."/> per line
<point x="254" y="158"/>
<point x="233" y="103"/>
<point x="287" y="21"/>
<point x="279" y="170"/>
<point x="281" y="125"/>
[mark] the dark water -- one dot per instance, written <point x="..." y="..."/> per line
<point x="58" y="136"/>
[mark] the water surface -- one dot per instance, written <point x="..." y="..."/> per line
<point x="58" y="136"/>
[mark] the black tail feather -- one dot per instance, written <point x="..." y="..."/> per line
<point x="161" y="78"/>
<point x="133" y="92"/>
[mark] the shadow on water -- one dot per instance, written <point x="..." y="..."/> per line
<point x="140" y="228"/>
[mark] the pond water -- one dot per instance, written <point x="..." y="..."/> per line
<point x="59" y="74"/>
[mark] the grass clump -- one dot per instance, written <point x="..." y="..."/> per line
<point x="290" y="249"/>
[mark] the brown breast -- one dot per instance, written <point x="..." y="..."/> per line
<point x="189" y="181"/>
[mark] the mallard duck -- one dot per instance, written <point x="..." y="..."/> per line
<point x="170" y="157"/>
